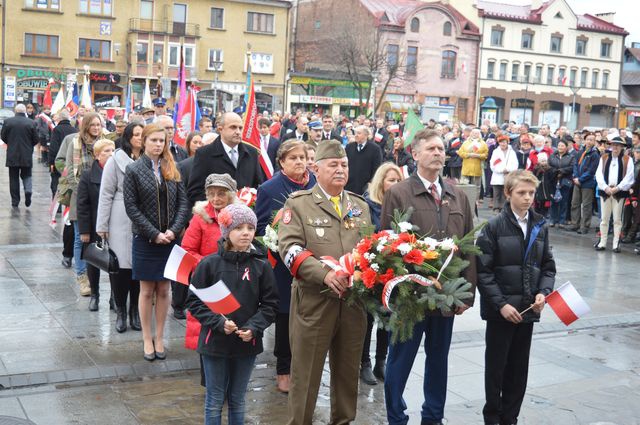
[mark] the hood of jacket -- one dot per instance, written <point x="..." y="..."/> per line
<point x="122" y="159"/>
<point x="205" y="210"/>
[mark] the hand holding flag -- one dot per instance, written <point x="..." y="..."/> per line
<point x="567" y="303"/>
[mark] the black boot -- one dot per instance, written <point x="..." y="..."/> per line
<point x="27" y="199"/>
<point x="378" y="370"/>
<point x="93" y="302"/>
<point x="366" y="374"/>
<point x="121" y="319"/>
<point x="112" y="303"/>
<point x="134" y="318"/>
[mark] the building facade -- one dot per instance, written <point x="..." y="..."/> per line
<point x="630" y="90"/>
<point x="122" y="41"/>
<point x="543" y="64"/>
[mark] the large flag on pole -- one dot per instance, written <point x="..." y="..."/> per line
<point x="86" y="93"/>
<point x="47" y="101"/>
<point x="59" y="103"/>
<point x="72" y="99"/>
<point x="128" y="106"/>
<point x="146" y="97"/>
<point x="411" y="127"/>
<point x="217" y="297"/>
<point x="567" y="304"/>
<point x="182" y="83"/>
<point x="250" y="131"/>
<point x="186" y="120"/>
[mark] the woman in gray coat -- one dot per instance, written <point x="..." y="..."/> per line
<point x="114" y="224"/>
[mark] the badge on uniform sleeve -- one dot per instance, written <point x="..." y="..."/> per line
<point x="286" y="217"/>
<point x="356" y="211"/>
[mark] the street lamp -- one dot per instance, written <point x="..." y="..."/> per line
<point x="374" y="83"/>
<point x="217" y="65"/>
<point x="574" y="90"/>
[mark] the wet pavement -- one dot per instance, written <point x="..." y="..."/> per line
<point x="61" y="364"/>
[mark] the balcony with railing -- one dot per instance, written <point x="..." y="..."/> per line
<point x="164" y="27"/>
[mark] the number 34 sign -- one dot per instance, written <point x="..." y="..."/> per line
<point x="105" y="28"/>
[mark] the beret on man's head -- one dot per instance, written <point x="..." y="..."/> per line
<point x="330" y="149"/>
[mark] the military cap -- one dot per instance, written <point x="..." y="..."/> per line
<point x="159" y="101"/>
<point x="315" y="125"/>
<point x="330" y="149"/>
<point x="147" y="111"/>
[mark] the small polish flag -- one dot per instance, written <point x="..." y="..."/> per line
<point x="65" y="215"/>
<point x="217" y="297"/>
<point x="378" y="137"/>
<point x="394" y="128"/>
<point x="497" y="161"/>
<point x="180" y="265"/>
<point x="567" y="304"/>
<point x="456" y="144"/>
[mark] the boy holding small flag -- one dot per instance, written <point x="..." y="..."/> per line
<point x="516" y="271"/>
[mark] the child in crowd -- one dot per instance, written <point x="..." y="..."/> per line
<point x="229" y="345"/>
<point x="516" y="271"/>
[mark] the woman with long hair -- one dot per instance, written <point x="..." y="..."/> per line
<point x="113" y="224"/>
<point x="155" y="201"/>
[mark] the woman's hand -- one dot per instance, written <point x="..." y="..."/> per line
<point x="230" y="327"/>
<point x="103" y="235"/>
<point x="170" y="235"/>
<point x="161" y="239"/>
<point x="246" y="335"/>
<point x="85" y="237"/>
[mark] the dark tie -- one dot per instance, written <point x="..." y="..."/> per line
<point x="359" y="148"/>
<point x="434" y="192"/>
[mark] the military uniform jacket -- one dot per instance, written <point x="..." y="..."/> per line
<point x="311" y="228"/>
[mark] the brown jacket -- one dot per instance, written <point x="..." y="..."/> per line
<point x="453" y="218"/>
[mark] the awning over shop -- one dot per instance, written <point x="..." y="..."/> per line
<point x="397" y="106"/>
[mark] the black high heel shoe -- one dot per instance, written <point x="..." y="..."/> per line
<point x="160" y="355"/>
<point x="151" y="356"/>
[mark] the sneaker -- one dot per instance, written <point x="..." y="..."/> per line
<point x="83" y="281"/>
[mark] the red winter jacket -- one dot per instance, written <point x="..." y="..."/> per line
<point x="200" y="240"/>
<point x="533" y="157"/>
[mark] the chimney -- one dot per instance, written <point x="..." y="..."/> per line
<point x="607" y="16"/>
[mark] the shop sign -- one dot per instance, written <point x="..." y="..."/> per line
<point x="629" y="113"/>
<point x="324" y="100"/>
<point x="322" y="82"/>
<point x="22" y="74"/>
<point x="32" y="84"/>
<point x="104" y="77"/>
<point x="522" y="103"/>
<point x="9" y="88"/>
<point x="431" y="101"/>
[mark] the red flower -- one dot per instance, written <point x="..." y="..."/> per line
<point x="369" y="278"/>
<point x="414" y="257"/>
<point x="364" y="246"/>
<point x="384" y="278"/>
<point x="364" y="263"/>
<point x="408" y="238"/>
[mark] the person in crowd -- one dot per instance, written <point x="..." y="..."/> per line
<point x="113" y="225"/>
<point x="226" y="155"/>
<point x="328" y="130"/>
<point x="523" y="152"/>
<point x="312" y="226"/>
<point x="400" y="157"/>
<point x="546" y="188"/>
<point x="74" y="157"/>
<point x="381" y="137"/>
<point x="474" y="152"/>
<point x="561" y="163"/>
<point x="513" y="275"/>
<point x="186" y="165"/>
<point x="445" y="212"/>
<point x="44" y="125"/>
<point x="155" y="202"/>
<point x="267" y="142"/>
<point x="502" y="162"/>
<point x="454" y="164"/>
<point x="301" y="131"/>
<point x="315" y="133"/>
<point x="276" y="125"/>
<point x="30" y="111"/>
<point x="386" y="176"/>
<point x="193" y="142"/>
<point x="311" y="156"/>
<point x="614" y="178"/>
<point x="632" y="212"/>
<point x="88" y="198"/>
<point x="62" y="129"/>
<point x="229" y="344"/>
<point x="116" y="135"/>
<point x="205" y="125"/>
<point x="179" y="153"/>
<point x="490" y="140"/>
<point x="20" y="135"/>
<point x="584" y="183"/>
<point x="272" y="194"/>
<point x="364" y="159"/>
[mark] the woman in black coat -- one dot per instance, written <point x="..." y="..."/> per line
<point x="88" y="196"/>
<point x="400" y="157"/>
<point x="561" y="162"/>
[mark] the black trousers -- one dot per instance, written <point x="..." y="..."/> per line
<point x="179" y="293"/>
<point x="15" y="174"/>
<point x="122" y="285"/>
<point x="282" y="349"/>
<point x="506" y="369"/>
<point x="55" y="178"/>
<point x="93" y="273"/>
<point x="68" y="237"/>
<point x="382" y="342"/>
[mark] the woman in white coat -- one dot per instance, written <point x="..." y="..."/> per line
<point x="114" y="225"/>
<point x="502" y="162"/>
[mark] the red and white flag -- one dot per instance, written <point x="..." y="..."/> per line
<point x="53" y="211"/>
<point x="186" y="119"/>
<point x="217" y="297"/>
<point x="395" y="128"/>
<point x="497" y="161"/>
<point x="46" y="118"/>
<point x="180" y="265"/>
<point x="377" y="137"/>
<point x="567" y="304"/>
<point x="66" y="215"/>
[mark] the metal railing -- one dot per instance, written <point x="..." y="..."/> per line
<point x="164" y="27"/>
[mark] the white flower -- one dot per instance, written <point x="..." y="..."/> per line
<point x="447" y="244"/>
<point x="375" y="267"/>
<point x="380" y="247"/>
<point x="270" y="238"/>
<point x="369" y="256"/>
<point x="430" y="243"/>
<point x="405" y="226"/>
<point x="404" y="248"/>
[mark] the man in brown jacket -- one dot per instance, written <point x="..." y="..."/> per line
<point x="440" y="211"/>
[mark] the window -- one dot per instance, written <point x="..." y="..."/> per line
<point x="605" y="49"/>
<point x="515" y="71"/>
<point x="605" y="80"/>
<point x="581" y="47"/>
<point x="215" y="55"/>
<point x="94" y="49"/>
<point x="527" y="40"/>
<point x="412" y="60"/>
<point x="594" y="79"/>
<point x="41" y="45"/>
<point x="142" y="52"/>
<point x="179" y="19"/>
<point x="556" y="44"/>
<point x="260" y="22"/>
<point x="550" y="72"/>
<point x="415" y="25"/>
<point x="538" y="78"/>
<point x="96" y="7"/>
<point x="583" y="78"/>
<point x="503" y="71"/>
<point x="496" y="37"/>
<point x="217" y="18"/>
<point x="448" y="64"/>
<point x="158" y="53"/>
<point x="561" y="76"/>
<point x="174" y="55"/>
<point x="490" y="69"/>
<point x="573" y="75"/>
<point x="446" y="28"/>
<point x="43" y="5"/>
<point x="146" y="9"/>
<point x="392" y="56"/>
<point x="527" y="72"/>
<point x="189" y="56"/>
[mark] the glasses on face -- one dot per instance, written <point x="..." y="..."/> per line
<point x="169" y="128"/>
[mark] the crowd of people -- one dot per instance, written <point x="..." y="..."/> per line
<point x="128" y="183"/>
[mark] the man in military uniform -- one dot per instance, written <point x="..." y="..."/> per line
<point x="323" y="221"/>
<point x="315" y="133"/>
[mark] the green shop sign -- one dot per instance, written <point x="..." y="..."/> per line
<point x="22" y="74"/>
<point x="329" y="83"/>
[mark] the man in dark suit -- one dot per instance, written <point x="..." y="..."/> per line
<point x="328" y="130"/>
<point x="301" y="131"/>
<point x="20" y="135"/>
<point x="381" y="137"/>
<point x="268" y="142"/>
<point x="227" y="154"/>
<point x="364" y="160"/>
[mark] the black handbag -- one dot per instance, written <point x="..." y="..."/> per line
<point x="99" y="255"/>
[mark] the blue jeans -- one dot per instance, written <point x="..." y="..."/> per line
<point x="559" y="209"/>
<point x="80" y="265"/>
<point x="437" y="340"/>
<point x="226" y="378"/>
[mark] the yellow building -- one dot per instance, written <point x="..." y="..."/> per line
<point x="136" y="40"/>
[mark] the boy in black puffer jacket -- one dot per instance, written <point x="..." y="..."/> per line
<point x="515" y="271"/>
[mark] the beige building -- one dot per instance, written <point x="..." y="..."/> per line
<point x="135" y="40"/>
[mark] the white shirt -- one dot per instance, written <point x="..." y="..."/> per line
<point x="228" y="150"/>
<point x="264" y="140"/>
<point x="627" y="180"/>
<point x="360" y="146"/>
<point x="522" y="222"/>
<point x="428" y="184"/>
